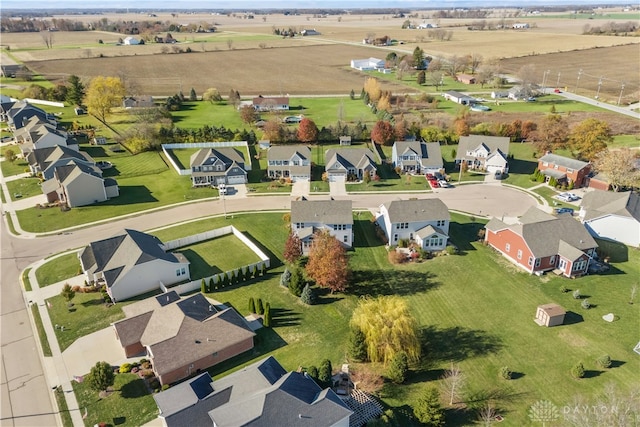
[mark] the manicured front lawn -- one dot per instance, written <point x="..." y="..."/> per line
<point x="44" y="341"/>
<point x="130" y="404"/>
<point x="63" y="408"/>
<point x="217" y="256"/>
<point x="25" y="279"/>
<point x="58" y="269"/>
<point x="15" y="168"/>
<point x="88" y="314"/>
<point x="23" y="188"/>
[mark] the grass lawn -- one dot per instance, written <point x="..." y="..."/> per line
<point x="58" y="269"/>
<point x="88" y="314"/>
<point x="26" y="280"/>
<point x="217" y="255"/>
<point x="63" y="408"/>
<point x="15" y="168"/>
<point x="44" y="342"/>
<point x="130" y="404"/>
<point x="25" y="187"/>
<point x="183" y="157"/>
<point x="630" y="141"/>
<point x="548" y="193"/>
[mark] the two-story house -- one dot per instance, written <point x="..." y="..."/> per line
<point x="484" y="153"/>
<point x="309" y="216"/>
<point x="20" y="112"/>
<point x="289" y="161"/>
<point x="213" y="166"/>
<point x="37" y="134"/>
<point x="564" y="169"/>
<point x="541" y="242"/>
<point x="44" y="160"/>
<point x="349" y="164"/>
<point x="417" y="157"/>
<point x="422" y="221"/>
<point x="76" y="183"/>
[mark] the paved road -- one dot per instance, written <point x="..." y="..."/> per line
<point x="26" y="397"/>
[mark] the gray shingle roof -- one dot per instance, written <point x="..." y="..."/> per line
<point x="227" y="155"/>
<point x="563" y="161"/>
<point x="286" y="152"/>
<point x="599" y="203"/>
<point x="417" y="210"/>
<point x="358" y="158"/>
<point x="322" y="211"/>
<point x="429" y="152"/>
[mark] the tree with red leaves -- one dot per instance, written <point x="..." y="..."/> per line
<point x="328" y="264"/>
<point x="383" y="133"/>
<point x="307" y="131"/>
<point x="292" y="248"/>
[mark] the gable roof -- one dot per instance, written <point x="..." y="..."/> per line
<point x="182" y="330"/>
<point x="72" y="169"/>
<point x="278" y="100"/>
<point x="43" y="157"/>
<point x="599" y="203"/>
<point x="473" y="142"/>
<point x="286" y="152"/>
<point x="357" y="158"/>
<point x="417" y="210"/>
<point x="322" y="211"/>
<point x="429" y="152"/>
<point x="208" y="156"/>
<point x="121" y="253"/>
<point x="567" y="162"/>
<point x="261" y="394"/>
<point x="546" y="235"/>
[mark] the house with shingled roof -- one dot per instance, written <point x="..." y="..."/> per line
<point x="261" y="394"/>
<point x="269" y="103"/>
<point x="564" y="169"/>
<point x="214" y="166"/>
<point x="310" y="216"/>
<point x="289" y="161"/>
<point x="182" y="336"/>
<point x="45" y="160"/>
<point x="421" y="221"/>
<point x="349" y="164"/>
<point x="483" y="152"/>
<point x="540" y="242"/>
<point x="19" y="113"/>
<point x="76" y="183"/>
<point x="612" y="216"/>
<point x="132" y="263"/>
<point x="417" y="157"/>
<point x="37" y="134"/>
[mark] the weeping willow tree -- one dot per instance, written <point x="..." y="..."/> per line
<point x="388" y="328"/>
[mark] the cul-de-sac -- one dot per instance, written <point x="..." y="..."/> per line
<point x="259" y="214"/>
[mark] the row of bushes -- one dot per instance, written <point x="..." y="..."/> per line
<point x="222" y="280"/>
<point x="293" y="279"/>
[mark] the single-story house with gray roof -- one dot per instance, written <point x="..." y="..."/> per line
<point x="612" y="216"/>
<point x="310" y="216"/>
<point x="261" y="394"/>
<point x="349" y="164"/>
<point x="132" y="263"/>
<point x="540" y="242"/>
<point x="459" y="97"/>
<point x="182" y="336"/>
<point x="564" y="169"/>
<point x="421" y="221"/>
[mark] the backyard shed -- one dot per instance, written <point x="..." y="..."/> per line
<point x="550" y="315"/>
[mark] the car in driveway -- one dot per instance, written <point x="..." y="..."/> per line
<point x="556" y="90"/>
<point x="567" y="197"/>
<point x="563" y="211"/>
<point x="444" y="184"/>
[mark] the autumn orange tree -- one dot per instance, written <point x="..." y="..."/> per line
<point x="292" y="248"/>
<point x="274" y="131"/>
<point x="383" y="133"/>
<point x="307" y="131"/>
<point x="248" y="114"/>
<point x="328" y="264"/>
<point x="589" y="137"/>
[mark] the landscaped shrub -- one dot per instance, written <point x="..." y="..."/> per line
<point x="586" y="304"/>
<point x="266" y="320"/>
<point x="285" y="277"/>
<point x="165" y="387"/>
<point x="357" y="345"/>
<point x="125" y="368"/>
<point x="313" y="372"/>
<point x="399" y="368"/>
<point x="211" y="286"/>
<point x="505" y="373"/>
<point x="203" y="286"/>
<point x="451" y="250"/>
<point x="308" y="296"/>
<point x="252" y="305"/>
<point x="564" y="289"/>
<point x="154" y="384"/>
<point x="260" y="307"/>
<point x="604" y="361"/>
<point x="576" y="294"/>
<point x="396" y="257"/>
<point x="578" y="370"/>
<point x="296" y="284"/>
<point x="403" y="243"/>
<point x="324" y="373"/>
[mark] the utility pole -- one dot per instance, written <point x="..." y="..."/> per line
<point x="599" y="85"/>
<point x="578" y="82"/>
<point x="558" y="81"/>
<point x="621" y="90"/>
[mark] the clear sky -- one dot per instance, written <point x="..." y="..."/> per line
<point x="265" y="4"/>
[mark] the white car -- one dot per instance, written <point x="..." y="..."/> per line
<point x="444" y="184"/>
<point x="222" y="189"/>
<point x="567" y="197"/>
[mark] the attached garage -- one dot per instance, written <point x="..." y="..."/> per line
<point x="238" y="179"/>
<point x="335" y="177"/>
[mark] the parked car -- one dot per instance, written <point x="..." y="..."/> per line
<point x="222" y="188"/>
<point x="567" y="197"/>
<point x="556" y="90"/>
<point x="531" y="99"/>
<point x="564" y="210"/>
<point x="444" y="184"/>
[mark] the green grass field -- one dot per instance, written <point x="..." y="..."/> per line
<point x="58" y="269"/>
<point x="15" y="168"/>
<point x="130" y="404"/>
<point x="44" y="341"/>
<point x="24" y="187"/>
<point x="217" y="255"/>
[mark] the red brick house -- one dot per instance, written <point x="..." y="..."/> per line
<point x="182" y="336"/>
<point x="564" y="169"/>
<point x="541" y="242"/>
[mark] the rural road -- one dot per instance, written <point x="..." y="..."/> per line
<point x="26" y="397"/>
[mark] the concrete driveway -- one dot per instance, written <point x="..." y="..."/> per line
<point x="337" y="188"/>
<point x="300" y="188"/>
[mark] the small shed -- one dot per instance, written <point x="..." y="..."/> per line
<point x="345" y="140"/>
<point x="550" y="315"/>
<point x="264" y="144"/>
<point x="466" y="79"/>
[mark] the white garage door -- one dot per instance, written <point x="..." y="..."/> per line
<point x="337" y="178"/>
<point x="301" y="178"/>
<point x="235" y="179"/>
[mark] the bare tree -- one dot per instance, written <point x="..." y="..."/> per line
<point x="487" y="414"/>
<point x="619" y="167"/>
<point x="474" y="60"/>
<point x="452" y="382"/>
<point x="47" y="38"/>
<point x="527" y="76"/>
<point x="230" y="44"/>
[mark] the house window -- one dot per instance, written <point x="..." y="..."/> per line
<point x="178" y="272"/>
<point x="519" y="254"/>
<point x="530" y="261"/>
<point x="552" y="260"/>
<point x="555" y="166"/>
<point x="545" y="163"/>
<point x="580" y="265"/>
<point x="218" y="168"/>
<point x="507" y="247"/>
<point x="537" y="262"/>
<point x="440" y="223"/>
<point x="569" y="170"/>
<point x="345" y="239"/>
<point x="183" y="271"/>
<point x="395" y="237"/>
